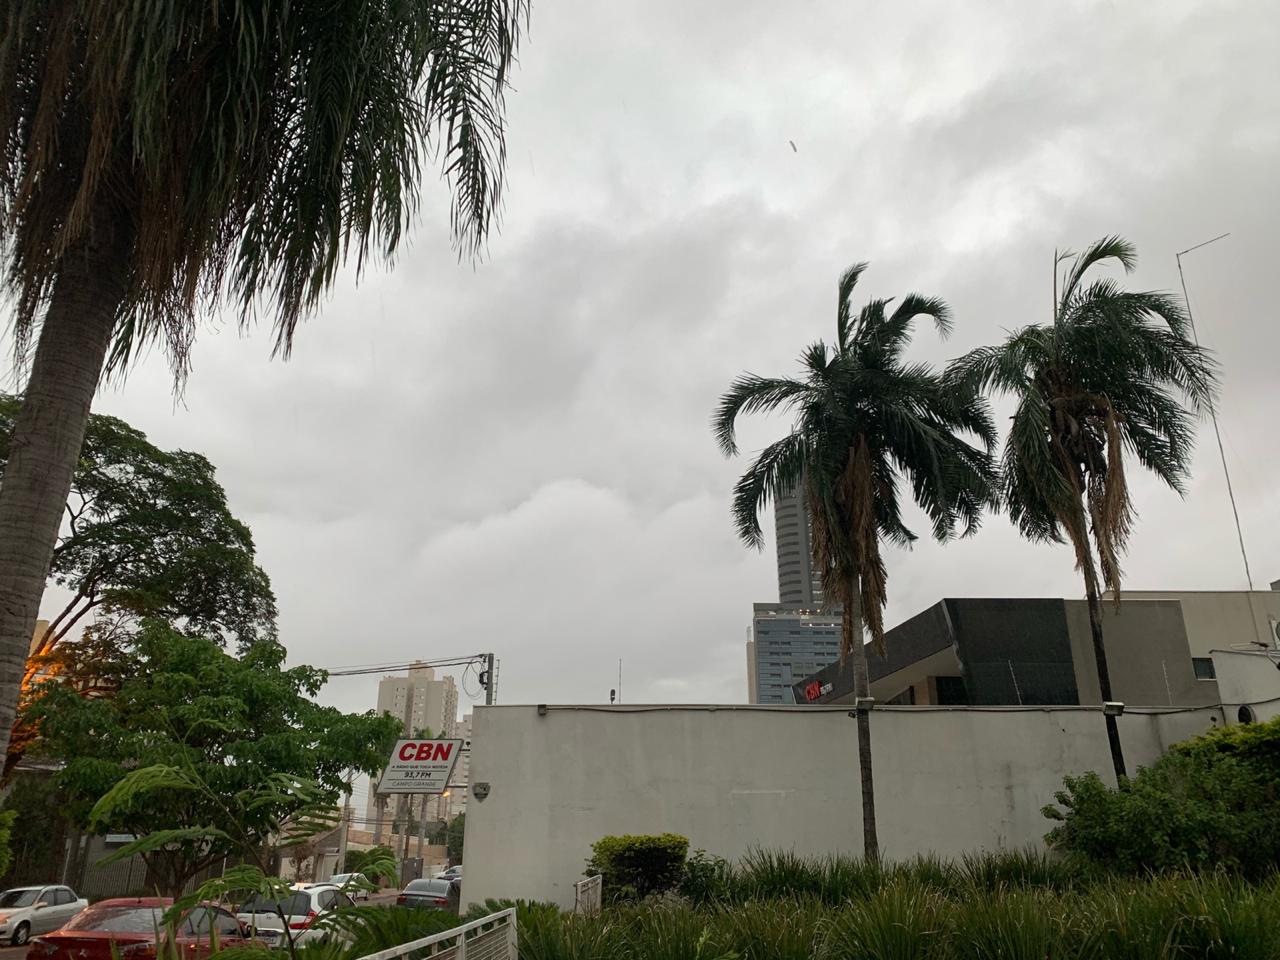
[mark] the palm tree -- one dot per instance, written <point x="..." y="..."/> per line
<point x="864" y="419"/>
<point x="159" y="157"/>
<point x="1109" y="375"/>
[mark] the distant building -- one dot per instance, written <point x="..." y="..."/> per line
<point x="786" y="646"/>
<point x="999" y="652"/>
<point x="799" y="585"/>
<point x="420" y="702"/>
<point x="461" y="783"/>
<point x="792" y="638"/>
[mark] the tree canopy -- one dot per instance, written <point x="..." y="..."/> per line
<point x="206" y="753"/>
<point x="149" y="533"/>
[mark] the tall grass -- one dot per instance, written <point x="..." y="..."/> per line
<point x="1017" y="906"/>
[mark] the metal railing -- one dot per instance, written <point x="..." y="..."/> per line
<point x="489" y="938"/>
<point x="587" y="895"/>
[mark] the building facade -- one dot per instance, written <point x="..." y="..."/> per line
<point x="786" y="646"/>
<point x="799" y="586"/>
<point x="1024" y="652"/>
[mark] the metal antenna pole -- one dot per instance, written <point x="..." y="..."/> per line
<point x="1213" y="413"/>
<point x="489" y="685"/>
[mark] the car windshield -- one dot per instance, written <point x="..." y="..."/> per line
<point x="438" y="887"/>
<point x="119" y="919"/>
<point x="299" y="905"/>
<point x="344" y="878"/>
<point x="22" y="897"/>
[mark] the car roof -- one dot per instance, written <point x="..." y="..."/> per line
<point x="136" y="902"/>
<point x="39" y="886"/>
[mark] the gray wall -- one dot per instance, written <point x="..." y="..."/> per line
<point x="1148" y="656"/>
<point x="730" y="778"/>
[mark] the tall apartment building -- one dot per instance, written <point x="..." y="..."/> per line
<point x="420" y="702"/>
<point x="461" y="782"/>
<point x="795" y="637"/>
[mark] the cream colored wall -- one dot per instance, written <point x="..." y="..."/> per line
<point x="948" y="780"/>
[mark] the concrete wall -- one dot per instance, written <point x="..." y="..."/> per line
<point x="1148" y="654"/>
<point x="1248" y="678"/>
<point x="1216" y="620"/>
<point x="948" y="780"/>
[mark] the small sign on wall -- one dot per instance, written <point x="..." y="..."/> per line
<point x="420" y="766"/>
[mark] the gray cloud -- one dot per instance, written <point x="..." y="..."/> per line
<point x="514" y="455"/>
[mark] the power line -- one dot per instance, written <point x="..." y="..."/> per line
<point x="362" y="669"/>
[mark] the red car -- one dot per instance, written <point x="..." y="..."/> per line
<point x="129" y="929"/>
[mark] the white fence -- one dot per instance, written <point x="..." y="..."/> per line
<point x="489" y="938"/>
<point x="587" y="895"/>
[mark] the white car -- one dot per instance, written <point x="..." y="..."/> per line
<point x="307" y="905"/>
<point x="354" y="885"/>
<point x="29" y="911"/>
<point x="453" y="873"/>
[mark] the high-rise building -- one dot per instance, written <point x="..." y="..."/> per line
<point x="786" y="646"/>
<point x="799" y="585"/>
<point x="789" y="637"/>
<point x="421" y="703"/>
<point x="460" y="785"/>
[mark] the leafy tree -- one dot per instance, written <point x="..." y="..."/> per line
<point x="159" y="158"/>
<point x="149" y="534"/>
<point x="1212" y="802"/>
<point x="864" y="419"/>
<point x="1112" y="373"/>
<point x="357" y="860"/>
<point x="453" y="839"/>
<point x="204" y="755"/>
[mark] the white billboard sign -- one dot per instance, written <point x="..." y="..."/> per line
<point x="420" y="766"/>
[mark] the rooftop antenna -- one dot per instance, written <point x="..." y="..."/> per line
<point x="1213" y="413"/>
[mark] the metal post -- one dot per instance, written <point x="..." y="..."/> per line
<point x="380" y="813"/>
<point x="345" y="829"/>
<point x="488" y="687"/>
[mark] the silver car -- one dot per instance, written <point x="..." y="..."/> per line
<point x="29" y="911"/>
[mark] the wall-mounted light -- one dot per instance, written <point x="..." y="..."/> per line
<point x="1112" y="708"/>
<point x="542" y="709"/>
<point x="862" y="705"/>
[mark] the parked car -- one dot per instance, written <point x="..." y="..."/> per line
<point x="453" y="873"/>
<point x="354" y="885"/>
<point x="431" y="894"/>
<point x="132" y="927"/>
<point x="28" y="911"/>
<point x="267" y="918"/>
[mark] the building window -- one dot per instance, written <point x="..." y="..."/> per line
<point x="951" y="691"/>
<point x="1203" y="666"/>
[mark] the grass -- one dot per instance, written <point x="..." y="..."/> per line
<point x="1020" y="905"/>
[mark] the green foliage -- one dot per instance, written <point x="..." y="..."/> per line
<point x="357" y="860"/>
<point x="204" y="755"/>
<point x="244" y="149"/>
<point x="864" y="422"/>
<point x="454" y="838"/>
<point x="930" y="909"/>
<point x="640" y="865"/>
<point x="37" y="843"/>
<point x="150" y="534"/>
<point x="706" y="878"/>
<point x="1213" y="801"/>
<point x="7" y="818"/>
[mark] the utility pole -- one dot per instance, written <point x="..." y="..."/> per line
<point x="346" y="828"/>
<point x="380" y="814"/>
<point x="490" y="680"/>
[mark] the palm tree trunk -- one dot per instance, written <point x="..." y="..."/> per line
<point x="862" y="688"/>
<point x="1104" y="675"/>
<point x="48" y="434"/>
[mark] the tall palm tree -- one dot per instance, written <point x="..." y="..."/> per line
<point x="1111" y="374"/>
<point x="158" y="157"/>
<point x="864" y="420"/>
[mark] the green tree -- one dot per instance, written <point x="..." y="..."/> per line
<point x="863" y="420"/>
<point x="453" y="840"/>
<point x="1111" y="373"/>
<point x="149" y="534"/>
<point x="204" y="755"/>
<point x="161" y="157"/>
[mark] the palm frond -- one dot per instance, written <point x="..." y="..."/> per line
<point x="751" y="394"/>
<point x="775" y="472"/>
<point x="844" y="310"/>
<point x="1108" y="248"/>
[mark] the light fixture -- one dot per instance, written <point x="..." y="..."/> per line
<point x="862" y="705"/>
<point x="1112" y="708"/>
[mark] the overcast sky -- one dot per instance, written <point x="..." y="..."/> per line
<point x="514" y="455"/>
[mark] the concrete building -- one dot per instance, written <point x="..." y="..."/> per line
<point x="1040" y="651"/>
<point x="792" y="638"/>
<point x="799" y="585"/>
<point x="786" y="646"/>
<point x="421" y="702"/>
<point x="460" y="785"/>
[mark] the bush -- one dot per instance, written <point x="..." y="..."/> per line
<point x="1212" y="802"/>
<point x="637" y="866"/>
<point x="706" y="878"/>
